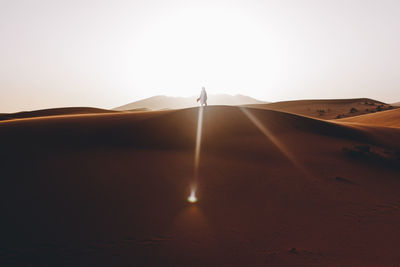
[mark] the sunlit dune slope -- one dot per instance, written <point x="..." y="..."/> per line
<point x="173" y="128"/>
<point x="390" y="118"/>
<point x="328" y="109"/>
<point x="273" y="188"/>
<point x="53" y="112"/>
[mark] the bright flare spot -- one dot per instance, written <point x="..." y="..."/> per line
<point x="192" y="198"/>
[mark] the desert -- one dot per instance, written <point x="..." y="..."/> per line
<point x="111" y="189"/>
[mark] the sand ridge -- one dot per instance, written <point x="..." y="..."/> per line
<point x="328" y="108"/>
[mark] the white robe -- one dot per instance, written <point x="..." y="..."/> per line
<point x="203" y="97"/>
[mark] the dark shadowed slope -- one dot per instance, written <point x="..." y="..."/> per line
<point x="274" y="189"/>
<point x="328" y="109"/>
<point x="53" y="112"/>
<point x="169" y="102"/>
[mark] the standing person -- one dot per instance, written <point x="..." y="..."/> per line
<point x="203" y="97"/>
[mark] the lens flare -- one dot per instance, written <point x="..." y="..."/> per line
<point x="275" y="140"/>
<point x="198" y="140"/>
<point x="192" y="198"/>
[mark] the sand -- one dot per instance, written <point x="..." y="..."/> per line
<point x="390" y="118"/>
<point x="328" y="108"/>
<point x="111" y="189"/>
<point x="53" y="112"/>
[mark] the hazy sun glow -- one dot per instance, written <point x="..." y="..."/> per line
<point x="109" y="53"/>
<point x="202" y="45"/>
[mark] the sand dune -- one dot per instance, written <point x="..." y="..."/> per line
<point x="390" y="118"/>
<point x="52" y="112"/>
<point x="273" y="187"/>
<point x="397" y="104"/>
<point x="328" y="109"/>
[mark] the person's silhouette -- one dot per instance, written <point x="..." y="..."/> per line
<point x="203" y="97"/>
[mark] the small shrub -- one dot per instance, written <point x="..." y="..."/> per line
<point x="340" y="116"/>
<point x="353" y="110"/>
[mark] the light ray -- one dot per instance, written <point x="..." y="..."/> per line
<point x="267" y="133"/>
<point x="192" y="198"/>
<point x="198" y="139"/>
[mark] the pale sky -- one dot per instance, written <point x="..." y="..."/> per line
<point x="108" y="53"/>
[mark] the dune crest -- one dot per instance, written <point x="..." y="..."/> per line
<point x="389" y="118"/>
<point x="53" y="112"/>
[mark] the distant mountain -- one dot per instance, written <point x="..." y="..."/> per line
<point x="397" y="104"/>
<point x="169" y="102"/>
